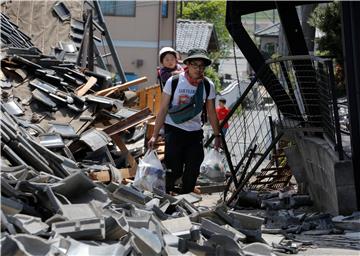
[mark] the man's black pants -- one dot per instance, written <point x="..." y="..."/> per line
<point x="184" y="154"/>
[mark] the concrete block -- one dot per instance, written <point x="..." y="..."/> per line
<point x="78" y="211"/>
<point x="272" y="238"/>
<point x="246" y="221"/>
<point x="130" y="195"/>
<point x="6" y="225"/>
<point x="24" y="244"/>
<point x="178" y="227"/>
<point x="55" y="218"/>
<point x="188" y="206"/>
<point x="71" y="247"/>
<point x="156" y="227"/>
<point x="116" y="228"/>
<point x="147" y="242"/>
<point x="171" y="240"/>
<point x="239" y="236"/>
<point x="153" y="202"/>
<point x="86" y="229"/>
<point x="209" y="228"/>
<point x="195" y="233"/>
<point x="73" y="184"/>
<point x="165" y="205"/>
<point x="10" y="206"/>
<point x="138" y="222"/>
<point x="227" y="245"/>
<point x="29" y="224"/>
<point x="159" y="213"/>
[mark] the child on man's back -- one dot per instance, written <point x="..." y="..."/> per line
<point x="170" y="66"/>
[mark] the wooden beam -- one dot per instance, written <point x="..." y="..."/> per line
<point x="132" y="162"/>
<point x="120" y="87"/>
<point x="131" y="121"/>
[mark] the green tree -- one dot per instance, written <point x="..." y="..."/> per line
<point x="213" y="11"/>
<point x="211" y="73"/>
<point x="326" y="17"/>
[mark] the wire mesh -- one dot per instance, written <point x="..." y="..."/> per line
<point x="301" y="98"/>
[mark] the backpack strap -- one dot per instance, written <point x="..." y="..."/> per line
<point x="207" y="87"/>
<point x="159" y="78"/>
<point x="204" y="111"/>
<point x="174" y="83"/>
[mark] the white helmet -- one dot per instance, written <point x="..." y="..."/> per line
<point x="165" y="50"/>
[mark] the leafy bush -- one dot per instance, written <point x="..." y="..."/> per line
<point x="213" y="75"/>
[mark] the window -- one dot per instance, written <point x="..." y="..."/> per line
<point x="164" y="8"/>
<point x="118" y="8"/>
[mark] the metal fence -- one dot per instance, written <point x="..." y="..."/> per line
<point x="305" y="100"/>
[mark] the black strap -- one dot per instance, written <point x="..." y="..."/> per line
<point x="174" y="83"/>
<point x="207" y="87"/>
<point x="159" y="78"/>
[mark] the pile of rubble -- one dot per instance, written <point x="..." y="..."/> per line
<point x="294" y="225"/>
<point x="64" y="160"/>
<point x="75" y="216"/>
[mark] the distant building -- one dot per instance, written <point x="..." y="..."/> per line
<point x="195" y="34"/>
<point x="269" y="39"/>
<point x="139" y="29"/>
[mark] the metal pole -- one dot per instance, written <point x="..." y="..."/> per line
<point x="338" y="144"/>
<point x="350" y="23"/>
<point x="90" y="55"/>
<point x="228" y="158"/>
<point x="258" y="163"/>
<point x="272" y="131"/>
<point x="102" y="23"/>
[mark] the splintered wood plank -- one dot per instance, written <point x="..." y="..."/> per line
<point x="150" y="100"/>
<point x="120" y="87"/>
<point x="157" y="100"/>
<point x="84" y="88"/>
<point x="131" y="160"/>
<point x="133" y="120"/>
<point x="142" y="99"/>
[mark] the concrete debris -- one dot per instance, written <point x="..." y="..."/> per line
<point x="84" y="229"/>
<point x="147" y="242"/>
<point x="351" y="222"/>
<point x="65" y="169"/>
<point x="29" y="224"/>
<point x="178" y="226"/>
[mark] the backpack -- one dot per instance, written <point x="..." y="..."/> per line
<point x="174" y="83"/>
<point x="159" y="79"/>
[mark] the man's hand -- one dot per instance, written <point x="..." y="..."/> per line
<point x="151" y="142"/>
<point x="217" y="142"/>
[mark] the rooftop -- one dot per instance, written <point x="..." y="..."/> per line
<point x="272" y="30"/>
<point x="195" y="34"/>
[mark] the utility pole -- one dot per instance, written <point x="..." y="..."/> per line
<point x="181" y="9"/>
<point x="273" y="16"/>
<point x="254" y="22"/>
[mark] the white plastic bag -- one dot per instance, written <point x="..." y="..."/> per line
<point x="150" y="173"/>
<point x="212" y="166"/>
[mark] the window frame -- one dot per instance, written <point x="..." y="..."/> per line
<point x="164" y="3"/>
<point x="112" y="4"/>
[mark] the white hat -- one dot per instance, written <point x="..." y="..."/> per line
<point x="165" y="50"/>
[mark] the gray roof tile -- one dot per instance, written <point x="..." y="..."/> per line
<point x="192" y="34"/>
